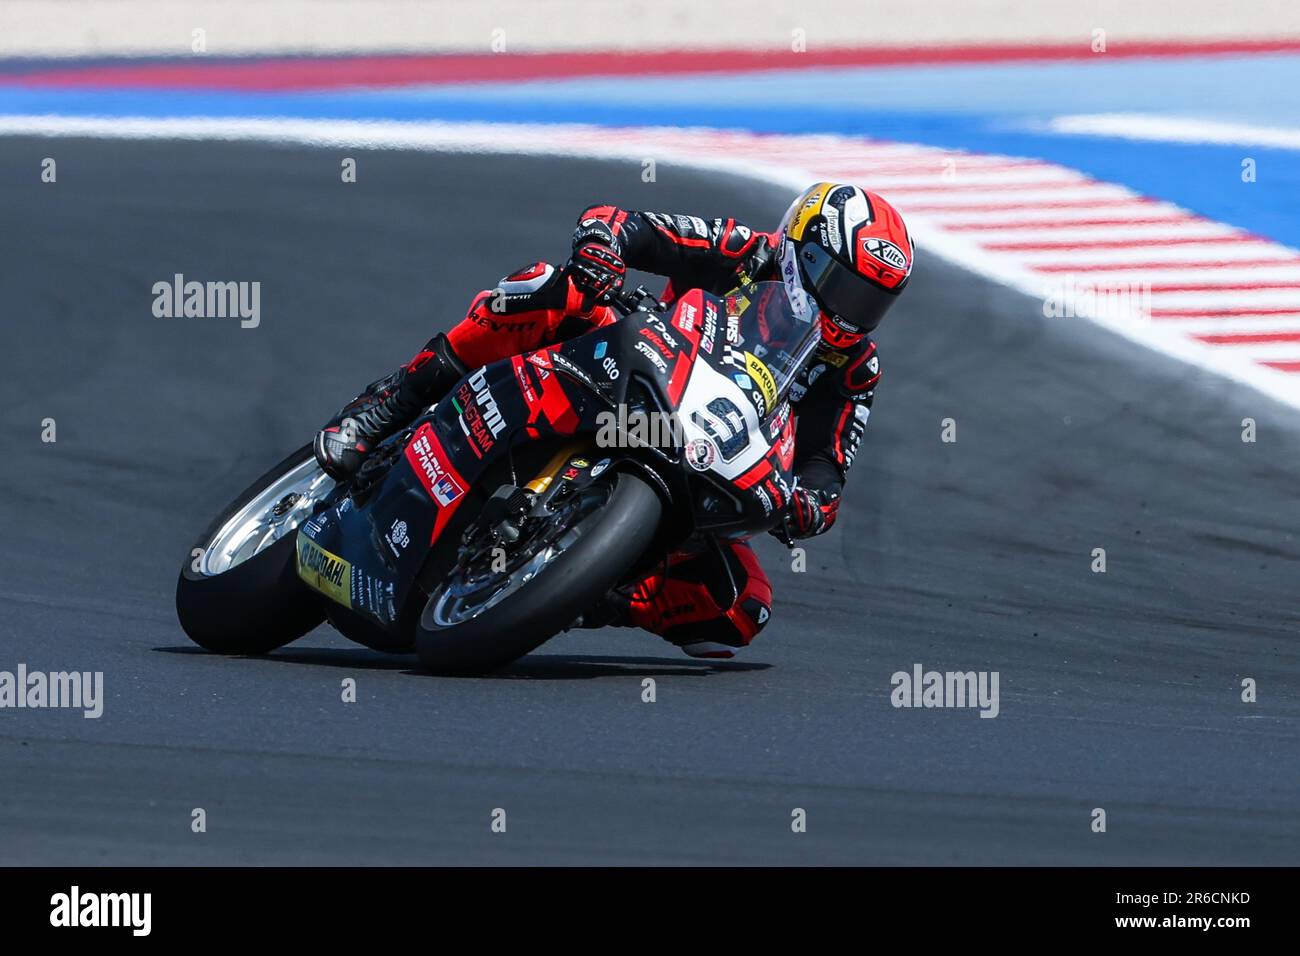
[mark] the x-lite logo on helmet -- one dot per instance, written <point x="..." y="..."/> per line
<point x="854" y="256"/>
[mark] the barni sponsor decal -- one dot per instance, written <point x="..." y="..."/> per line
<point x="686" y="317"/>
<point x="480" y="419"/>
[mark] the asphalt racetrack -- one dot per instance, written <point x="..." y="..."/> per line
<point x="1119" y="690"/>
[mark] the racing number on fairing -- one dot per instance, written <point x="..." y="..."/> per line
<point x="726" y="426"/>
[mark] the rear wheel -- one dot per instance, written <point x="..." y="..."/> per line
<point x="239" y="591"/>
<point x="496" y="605"/>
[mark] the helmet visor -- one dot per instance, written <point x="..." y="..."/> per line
<point x="850" y="297"/>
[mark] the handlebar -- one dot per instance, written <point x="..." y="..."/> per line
<point x="639" y="299"/>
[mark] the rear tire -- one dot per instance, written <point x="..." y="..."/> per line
<point x="257" y="605"/>
<point x="612" y="540"/>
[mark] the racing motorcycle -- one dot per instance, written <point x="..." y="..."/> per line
<point x="516" y="503"/>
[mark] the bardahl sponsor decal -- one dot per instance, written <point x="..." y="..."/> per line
<point x="326" y="572"/>
<point x="761" y="374"/>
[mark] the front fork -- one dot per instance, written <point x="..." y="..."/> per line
<point x="511" y="505"/>
<point x="571" y="468"/>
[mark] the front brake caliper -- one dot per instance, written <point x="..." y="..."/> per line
<point x="501" y="518"/>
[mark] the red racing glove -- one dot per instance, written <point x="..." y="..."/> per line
<point x="595" y="266"/>
<point x="810" y="512"/>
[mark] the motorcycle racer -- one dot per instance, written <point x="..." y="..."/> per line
<point x="846" y="248"/>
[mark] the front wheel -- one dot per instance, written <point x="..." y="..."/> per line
<point x="239" y="591"/>
<point x="483" y="616"/>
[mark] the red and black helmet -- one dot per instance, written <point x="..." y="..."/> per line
<point x="850" y="251"/>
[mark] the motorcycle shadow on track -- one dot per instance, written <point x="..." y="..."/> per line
<point x="542" y="667"/>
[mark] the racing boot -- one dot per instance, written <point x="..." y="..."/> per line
<point x="613" y="610"/>
<point x="385" y="408"/>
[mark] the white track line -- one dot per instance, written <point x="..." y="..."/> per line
<point x="928" y="194"/>
<point x="1170" y="129"/>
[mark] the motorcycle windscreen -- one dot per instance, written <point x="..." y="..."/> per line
<point x="770" y="336"/>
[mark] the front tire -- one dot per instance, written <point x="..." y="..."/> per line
<point x="248" y="599"/>
<point x="610" y="541"/>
